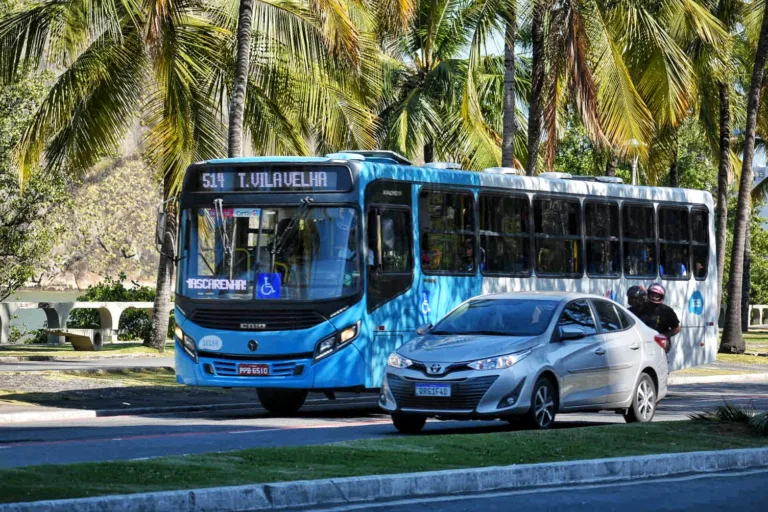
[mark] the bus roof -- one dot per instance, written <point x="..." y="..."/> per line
<point x="379" y="168"/>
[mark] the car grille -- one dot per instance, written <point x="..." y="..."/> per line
<point x="465" y="395"/>
<point x="247" y="320"/>
<point x="229" y="368"/>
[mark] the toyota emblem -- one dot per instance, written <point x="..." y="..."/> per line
<point x="435" y="368"/>
<point x="253" y="345"/>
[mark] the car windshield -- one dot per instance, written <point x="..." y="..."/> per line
<point x="503" y="317"/>
<point x="272" y="253"/>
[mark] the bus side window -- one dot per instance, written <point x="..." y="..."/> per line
<point x="700" y="242"/>
<point x="639" y="237"/>
<point x="674" y="247"/>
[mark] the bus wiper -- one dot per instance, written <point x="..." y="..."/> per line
<point x="218" y="210"/>
<point x="301" y="213"/>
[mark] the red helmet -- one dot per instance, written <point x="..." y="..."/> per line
<point x="656" y="293"/>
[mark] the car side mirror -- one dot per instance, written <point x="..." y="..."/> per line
<point x="423" y="329"/>
<point x="571" y="332"/>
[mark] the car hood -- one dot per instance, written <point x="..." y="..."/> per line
<point x="453" y="348"/>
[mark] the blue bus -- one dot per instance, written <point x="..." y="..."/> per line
<point x="304" y="274"/>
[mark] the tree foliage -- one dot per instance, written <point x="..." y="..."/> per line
<point x="25" y="233"/>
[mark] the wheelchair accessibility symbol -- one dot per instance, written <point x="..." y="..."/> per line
<point x="269" y="286"/>
<point x="425" y="307"/>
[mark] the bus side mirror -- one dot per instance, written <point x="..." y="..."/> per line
<point x="162" y="221"/>
<point x="424" y="329"/>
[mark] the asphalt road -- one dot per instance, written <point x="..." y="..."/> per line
<point x="88" y="364"/>
<point x="321" y="421"/>
<point x="745" y="491"/>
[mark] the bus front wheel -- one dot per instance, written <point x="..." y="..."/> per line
<point x="282" y="401"/>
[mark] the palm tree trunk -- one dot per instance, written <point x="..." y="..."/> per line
<point x="745" y="283"/>
<point x="429" y="152"/>
<point x="673" y="167"/>
<point x="508" y="135"/>
<point x="165" y="273"/>
<point x="722" y="185"/>
<point x="537" y="84"/>
<point x="611" y="164"/>
<point x="733" y="341"/>
<point x="237" y="105"/>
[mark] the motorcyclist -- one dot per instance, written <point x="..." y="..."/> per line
<point x="637" y="299"/>
<point x="659" y="316"/>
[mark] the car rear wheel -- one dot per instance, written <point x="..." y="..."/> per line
<point x="283" y="402"/>
<point x="643" y="401"/>
<point x="408" y="424"/>
<point x="543" y="405"/>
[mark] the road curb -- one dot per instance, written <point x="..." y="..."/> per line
<point x="336" y="491"/>
<point x="674" y="380"/>
<point x="82" y="414"/>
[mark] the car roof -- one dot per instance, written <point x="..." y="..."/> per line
<point x="550" y="295"/>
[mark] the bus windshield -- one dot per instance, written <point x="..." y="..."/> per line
<point x="296" y="253"/>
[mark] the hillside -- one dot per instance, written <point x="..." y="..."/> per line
<point x="108" y="229"/>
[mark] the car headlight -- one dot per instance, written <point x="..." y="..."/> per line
<point x="498" y="363"/>
<point x="340" y="339"/>
<point x="395" y="360"/>
<point x="187" y="343"/>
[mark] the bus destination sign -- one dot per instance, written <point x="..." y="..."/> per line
<point x="274" y="179"/>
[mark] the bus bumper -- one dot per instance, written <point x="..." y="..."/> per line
<point x="343" y="369"/>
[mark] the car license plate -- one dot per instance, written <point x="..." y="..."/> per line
<point x="430" y="389"/>
<point x="256" y="370"/>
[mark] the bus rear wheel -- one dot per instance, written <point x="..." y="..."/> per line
<point x="282" y="402"/>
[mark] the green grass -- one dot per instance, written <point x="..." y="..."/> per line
<point x="66" y="350"/>
<point x="743" y="359"/>
<point x="128" y="377"/>
<point x="383" y="456"/>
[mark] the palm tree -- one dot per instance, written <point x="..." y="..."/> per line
<point x="622" y="65"/>
<point x="169" y="63"/>
<point x="508" y="131"/>
<point x="537" y="83"/>
<point x="237" y="105"/>
<point x="433" y="96"/>
<point x="732" y="341"/>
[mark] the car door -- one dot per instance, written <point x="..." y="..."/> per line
<point x="581" y="362"/>
<point x="622" y="351"/>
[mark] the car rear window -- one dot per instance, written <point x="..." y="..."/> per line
<point x="504" y="317"/>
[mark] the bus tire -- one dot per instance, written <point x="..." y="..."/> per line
<point x="643" y="405"/>
<point x="283" y="402"/>
<point x="408" y="424"/>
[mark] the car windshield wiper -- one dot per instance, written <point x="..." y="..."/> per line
<point x="489" y="333"/>
<point x="440" y="332"/>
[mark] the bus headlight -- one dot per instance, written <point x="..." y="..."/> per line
<point x="340" y="339"/>
<point x="187" y="343"/>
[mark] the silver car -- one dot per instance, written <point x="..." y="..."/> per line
<point x="529" y="356"/>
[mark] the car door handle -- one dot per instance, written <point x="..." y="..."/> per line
<point x="634" y="346"/>
<point x="600" y="351"/>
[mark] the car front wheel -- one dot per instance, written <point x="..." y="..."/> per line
<point x="543" y="405"/>
<point x="643" y="401"/>
<point x="408" y="424"/>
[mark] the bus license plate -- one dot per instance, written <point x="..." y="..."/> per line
<point x="433" y="389"/>
<point x="256" y="370"/>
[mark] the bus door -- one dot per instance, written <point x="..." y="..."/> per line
<point x="448" y="251"/>
<point x="391" y="298"/>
